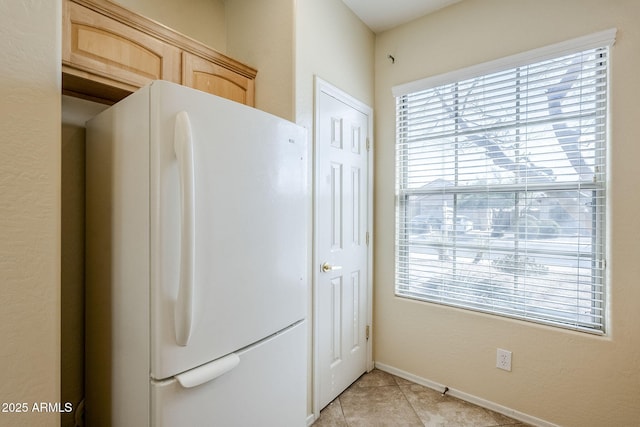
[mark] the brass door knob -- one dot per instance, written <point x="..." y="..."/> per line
<point x="326" y="267"/>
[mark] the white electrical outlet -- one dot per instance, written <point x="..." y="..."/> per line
<point x="503" y="359"/>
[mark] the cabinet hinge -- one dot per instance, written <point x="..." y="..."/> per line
<point x="366" y="238"/>
<point x="368" y="144"/>
<point x="366" y="332"/>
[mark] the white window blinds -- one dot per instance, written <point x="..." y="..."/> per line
<point x="501" y="186"/>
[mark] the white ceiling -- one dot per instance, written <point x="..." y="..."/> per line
<point x="381" y="15"/>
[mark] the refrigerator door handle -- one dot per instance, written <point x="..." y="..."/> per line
<point x="183" y="146"/>
<point x="208" y="372"/>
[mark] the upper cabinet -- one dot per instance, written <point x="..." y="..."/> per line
<point x="109" y="52"/>
<point x="208" y="76"/>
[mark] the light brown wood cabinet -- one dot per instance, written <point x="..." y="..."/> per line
<point x="209" y="77"/>
<point x="109" y="52"/>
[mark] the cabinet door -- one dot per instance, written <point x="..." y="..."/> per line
<point x="210" y="77"/>
<point x="100" y="49"/>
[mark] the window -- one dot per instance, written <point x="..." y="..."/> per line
<point x="500" y="180"/>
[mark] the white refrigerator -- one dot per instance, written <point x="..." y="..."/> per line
<point x="197" y="246"/>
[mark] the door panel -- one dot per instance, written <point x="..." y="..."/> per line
<point x="341" y="248"/>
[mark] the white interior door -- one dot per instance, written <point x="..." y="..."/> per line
<point x="342" y="242"/>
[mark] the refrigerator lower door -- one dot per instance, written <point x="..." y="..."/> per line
<point x="266" y="387"/>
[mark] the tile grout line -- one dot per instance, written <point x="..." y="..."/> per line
<point x="395" y="379"/>
<point x="342" y="409"/>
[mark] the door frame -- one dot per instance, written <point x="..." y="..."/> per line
<point x="322" y="86"/>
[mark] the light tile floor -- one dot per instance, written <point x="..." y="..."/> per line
<point x="381" y="399"/>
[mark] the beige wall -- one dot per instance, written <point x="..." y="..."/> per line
<point x="563" y="377"/>
<point x="72" y="269"/>
<point x="202" y="20"/>
<point x="290" y="41"/>
<point x="261" y="34"/>
<point x="30" y="207"/>
<point x="332" y="43"/>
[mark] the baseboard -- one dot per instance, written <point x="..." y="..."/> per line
<point x="512" y="413"/>
<point x="311" y="419"/>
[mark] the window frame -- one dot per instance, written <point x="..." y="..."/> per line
<point x="603" y="39"/>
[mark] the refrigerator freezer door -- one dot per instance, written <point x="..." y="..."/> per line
<point x="251" y="207"/>
<point x="266" y="388"/>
